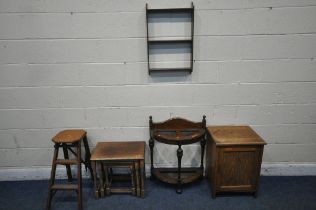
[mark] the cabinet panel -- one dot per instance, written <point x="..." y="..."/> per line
<point x="237" y="168"/>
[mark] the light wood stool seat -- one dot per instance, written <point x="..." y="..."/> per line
<point x="68" y="139"/>
<point x="69" y="136"/>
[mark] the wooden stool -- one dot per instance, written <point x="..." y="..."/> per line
<point x="68" y="139"/>
<point x="108" y="155"/>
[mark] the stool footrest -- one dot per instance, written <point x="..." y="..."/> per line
<point x="64" y="187"/>
<point x="66" y="161"/>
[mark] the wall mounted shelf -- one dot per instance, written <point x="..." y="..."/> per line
<point x="170" y="34"/>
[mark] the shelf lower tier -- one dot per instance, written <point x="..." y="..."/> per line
<point x="170" y="175"/>
<point x="185" y="69"/>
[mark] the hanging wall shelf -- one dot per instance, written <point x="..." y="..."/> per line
<point x="170" y="39"/>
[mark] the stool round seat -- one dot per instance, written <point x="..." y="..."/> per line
<point x="69" y="136"/>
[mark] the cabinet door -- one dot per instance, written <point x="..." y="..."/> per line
<point x="238" y="168"/>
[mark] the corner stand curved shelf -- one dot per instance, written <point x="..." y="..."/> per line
<point x="177" y="131"/>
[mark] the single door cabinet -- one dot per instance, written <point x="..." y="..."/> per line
<point x="233" y="159"/>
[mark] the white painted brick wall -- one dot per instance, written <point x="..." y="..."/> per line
<point x="82" y="64"/>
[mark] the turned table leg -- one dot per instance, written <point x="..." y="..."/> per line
<point x="142" y="177"/>
<point x="107" y="181"/>
<point x="137" y="178"/>
<point x="133" y="177"/>
<point x="100" y="172"/>
<point x="94" y="169"/>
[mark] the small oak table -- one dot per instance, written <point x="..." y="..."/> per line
<point x="108" y="155"/>
<point x="233" y="159"/>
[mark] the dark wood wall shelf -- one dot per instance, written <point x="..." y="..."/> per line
<point x="177" y="131"/>
<point x="174" y="43"/>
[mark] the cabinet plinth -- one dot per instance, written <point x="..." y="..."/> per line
<point x="233" y="159"/>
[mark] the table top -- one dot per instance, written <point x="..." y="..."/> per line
<point x="235" y="135"/>
<point x="127" y="150"/>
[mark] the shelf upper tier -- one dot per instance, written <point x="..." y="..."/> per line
<point x="153" y="41"/>
<point x="160" y="10"/>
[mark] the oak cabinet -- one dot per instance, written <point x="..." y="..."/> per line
<point x="233" y="159"/>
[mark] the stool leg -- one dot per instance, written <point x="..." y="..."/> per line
<point x="66" y="156"/>
<point x="87" y="156"/>
<point x="79" y="176"/>
<point x="52" y="177"/>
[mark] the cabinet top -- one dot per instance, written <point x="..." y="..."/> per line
<point x="234" y="135"/>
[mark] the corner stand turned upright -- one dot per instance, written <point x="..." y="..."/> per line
<point x="177" y="131"/>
